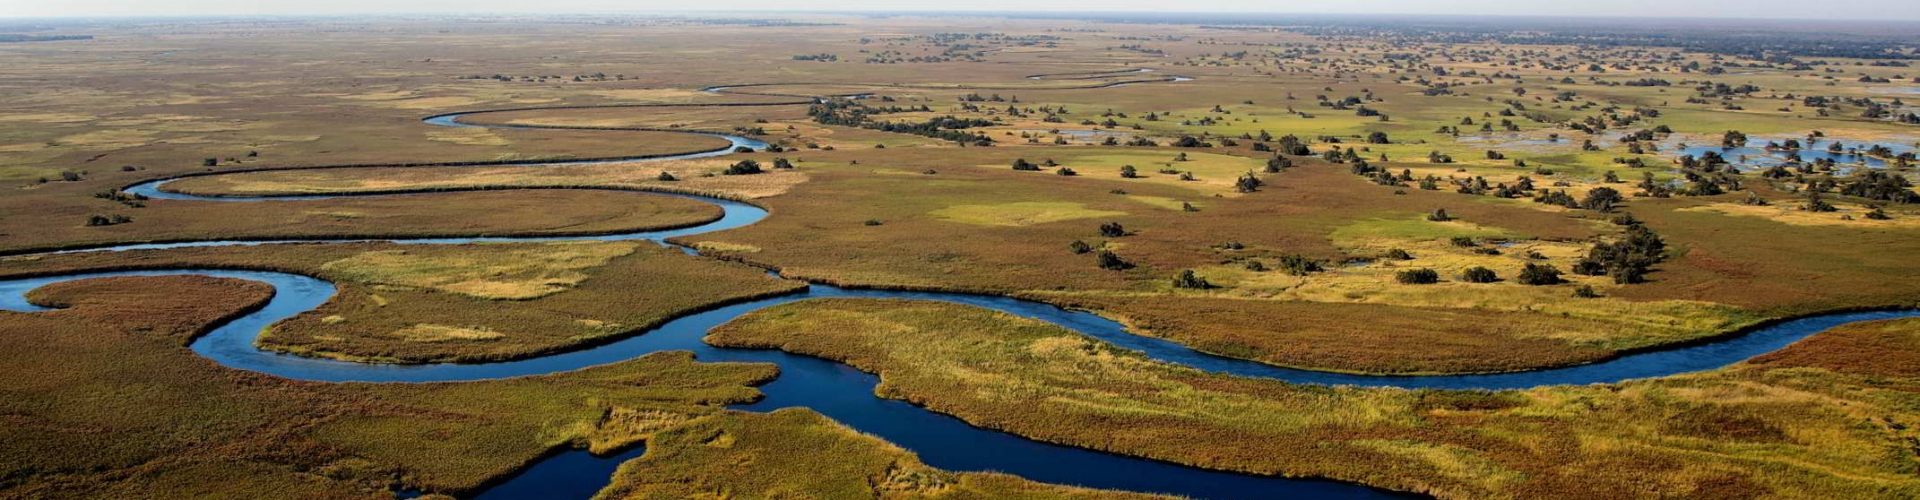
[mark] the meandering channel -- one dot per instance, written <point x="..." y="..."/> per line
<point x="846" y="394"/>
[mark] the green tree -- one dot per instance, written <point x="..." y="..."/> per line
<point x="1186" y="279"/>
<point x="1417" y="277"/>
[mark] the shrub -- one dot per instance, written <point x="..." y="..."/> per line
<point x="1398" y="254"/>
<point x="667" y="177"/>
<point x="1417" y="277"/>
<point x="1188" y="280"/>
<point x="1112" y="230"/>
<point x="1477" y="274"/>
<point x="1539" y="274"/>
<point x="1298" y="265"/>
<point x="1439" y="216"/>
<point x="744" y="167"/>
<point x="1079" y="247"/>
<point x="1111" y="262"/>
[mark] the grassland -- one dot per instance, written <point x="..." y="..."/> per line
<point x="522" y="212"/>
<point x="1828" y="418"/>
<point x="796" y="453"/>
<point x="468" y="303"/>
<point x="1808" y="422"/>
<point x="103" y="399"/>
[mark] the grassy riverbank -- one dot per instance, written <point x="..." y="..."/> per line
<point x="1787" y="426"/>
<point x="464" y="303"/>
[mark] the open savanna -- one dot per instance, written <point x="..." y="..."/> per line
<point x="104" y="400"/>
<point x="1003" y="231"/>
<point x="467" y="303"/>
<point x="1818" y="420"/>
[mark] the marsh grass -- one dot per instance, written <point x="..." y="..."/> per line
<point x="105" y="400"/>
<point x="1774" y="428"/>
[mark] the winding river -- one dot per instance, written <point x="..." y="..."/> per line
<point x="846" y="394"/>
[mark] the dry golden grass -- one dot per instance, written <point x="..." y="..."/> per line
<point x="514" y="272"/>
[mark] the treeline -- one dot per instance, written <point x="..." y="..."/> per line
<point x="852" y="114"/>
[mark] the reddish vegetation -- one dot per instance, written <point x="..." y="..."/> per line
<point x="1881" y="348"/>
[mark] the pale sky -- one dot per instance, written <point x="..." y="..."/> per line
<point x="1830" y="9"/>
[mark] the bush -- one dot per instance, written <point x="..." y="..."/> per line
<point x="1079" y="247"/>
<point x="1398" y="254"/>
<point x="1111" y="262"/>
<point x="1539" y="274"/>
<point x="1417" y="277"/>
<point x="744" y="167"/>
<point x="1439" y="216"/>
<point x="1112" y="230"/>
<point x="1477" y="274"/>
<point x="1188" y="280"/>
<point x="1298" y="265"/>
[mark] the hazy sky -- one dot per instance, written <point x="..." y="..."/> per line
<point x="1830" y="9"/>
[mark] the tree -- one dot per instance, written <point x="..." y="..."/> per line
<point x="1277" y="163"/>
<point x="1248" y="183"/>
<point x="1112" y="230"/>
<point x="1601" y="199"/>
<point x="743" y="167"/>
<point x="1815" y="204"/>
<point x="1477" y="274"/>
<point x="1111" y="262"/>
<point x="1539" y="274"/>
<point x="1188" y="280"/>
<point x="1417" y="277"/>
<point x="1299" y="265"/>
<point x="1733" y="139"/>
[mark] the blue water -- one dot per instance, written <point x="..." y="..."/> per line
<point x="846" y="394"/>
<point x="1754" y="157"/>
